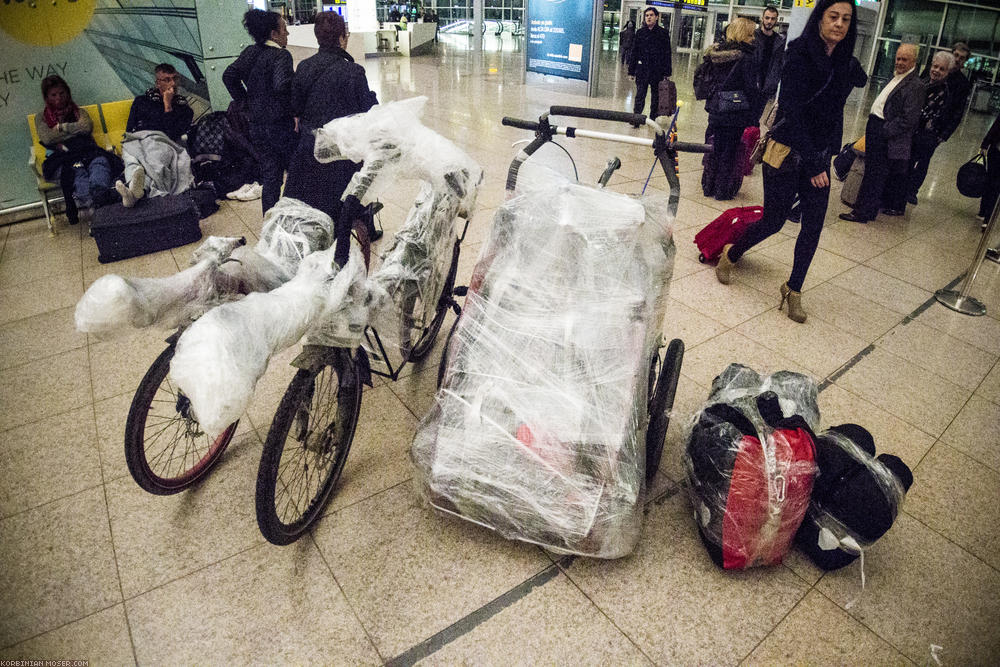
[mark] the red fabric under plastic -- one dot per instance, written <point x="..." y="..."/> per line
<point x="766" y="504"/>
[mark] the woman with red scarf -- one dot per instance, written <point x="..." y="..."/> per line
<point x="74" y="159"/>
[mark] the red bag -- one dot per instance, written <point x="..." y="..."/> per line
<point x="727" y="228"/>
<point x="751" y="136"/>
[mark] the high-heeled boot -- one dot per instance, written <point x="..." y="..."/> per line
<point x="795" y="312"/>
<point x="725" y="266"/>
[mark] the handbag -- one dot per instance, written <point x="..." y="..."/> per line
<point x="757" y="156"/>
<point x="730" y="101"/>
<point x="971" y="178"/>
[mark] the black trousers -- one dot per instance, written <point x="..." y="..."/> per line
<point x="877" y="188"/>
<point x="924" y="145"/>
<point x="780" y="188"/>
<point x="274" y="145"/>
<point x="644" y="80"/>
<point x="722" y="175"/>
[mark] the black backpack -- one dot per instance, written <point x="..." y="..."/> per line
<point x="856" y="497"/>
<point x="208" y="135"/>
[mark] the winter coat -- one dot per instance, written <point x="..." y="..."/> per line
<point x="814" y="89"/>
<point x="329" y="85"/>
<point x="147" y="114"/>
<point x="734" y="68"/>
<point x="651" y="55"/>
<point x="769" y="80"/>
<point x="262" y="75"/>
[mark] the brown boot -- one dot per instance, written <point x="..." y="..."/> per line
<point x="795" y="312"/>
<point x="725" y="267"/>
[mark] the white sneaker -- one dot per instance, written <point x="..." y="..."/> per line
<point x="236" y="194"/>
<point x="253" y="191"/>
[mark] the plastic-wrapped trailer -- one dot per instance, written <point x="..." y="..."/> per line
<point x="553" y="403"/>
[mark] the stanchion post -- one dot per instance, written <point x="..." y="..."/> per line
<point x="961" y="301"/>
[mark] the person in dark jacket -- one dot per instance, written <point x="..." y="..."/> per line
<point x="74" y="160"/>
<point x="262" y="77"/>
<point x="736" y="70"/>
<point x="625" y="41"/>
<point x="160" y="109"/>
<point x="327" y="85"/>
<point x="938" y="120"/>
<point x="816" y="79"/>
<point x="991" y="148"/>
<point x="650" y="60"/>
<point x="894" y="117"/>
<point x="769" y="54"/>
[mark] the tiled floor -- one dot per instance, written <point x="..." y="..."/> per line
<point x="95" y="568"/>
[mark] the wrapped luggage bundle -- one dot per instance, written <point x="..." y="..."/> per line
<point x="538" y="430"/>
<point x="750" y="460"/>
<point x="856" y="498"/>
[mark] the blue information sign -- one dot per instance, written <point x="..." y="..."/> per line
<point x="559" y="34"/>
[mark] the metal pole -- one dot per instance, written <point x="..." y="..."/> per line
<point x="961" y="301"/>
<point x="596" y="39"/>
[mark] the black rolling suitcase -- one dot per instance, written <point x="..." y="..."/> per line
<point x="153" y="224"/>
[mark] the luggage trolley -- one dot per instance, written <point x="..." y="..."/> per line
<point x="548" y="428"/>
<point x="663" y="374"/>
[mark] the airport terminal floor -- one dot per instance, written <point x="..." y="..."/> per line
<point x="94" y="568"/>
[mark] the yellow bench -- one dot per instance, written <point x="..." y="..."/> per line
<point x="107" y="134"/>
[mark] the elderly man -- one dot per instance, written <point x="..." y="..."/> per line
<point x="650" y="60"/>
<point x="894" y="117"/>
<point x="155" y="162"/>
<point x="938" y="120"/>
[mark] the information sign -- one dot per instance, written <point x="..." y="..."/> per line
<point x="559" y="37"/>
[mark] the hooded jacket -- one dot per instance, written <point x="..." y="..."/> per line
<point x="734" y="68"/>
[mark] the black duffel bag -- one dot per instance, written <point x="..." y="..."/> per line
<point x="971" y="180"/>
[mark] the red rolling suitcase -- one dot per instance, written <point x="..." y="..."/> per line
<point x="751" y="136"/>
<point x="727" y="228"/>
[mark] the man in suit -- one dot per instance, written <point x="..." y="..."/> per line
<point x="894" y="117"/>
<point x="650" y="60"/>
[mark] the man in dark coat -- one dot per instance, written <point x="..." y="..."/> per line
<point x="769" y="54"/>
<point x="650" y="60"/>
<point x="894" y="117"/>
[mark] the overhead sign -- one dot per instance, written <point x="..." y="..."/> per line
<point x="559" y="37"/>
<point x="693" y="5"/>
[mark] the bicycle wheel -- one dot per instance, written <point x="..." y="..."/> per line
<point x="306" y="447"/>
<point x="165" y="447"/>
<point x="416" y="342"/>
<point x="660" y="404"/>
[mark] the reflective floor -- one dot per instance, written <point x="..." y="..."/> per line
<point x="95" y="568"/>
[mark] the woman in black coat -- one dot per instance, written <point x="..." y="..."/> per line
<point x="816" y="79"/>
<point x="262" y="77"/>
<point x="735" y="71"/>
<point x="327" y="85"/>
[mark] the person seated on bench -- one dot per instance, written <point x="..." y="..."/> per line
<point x="155" y="162"/>
<point x="74" y="160"/>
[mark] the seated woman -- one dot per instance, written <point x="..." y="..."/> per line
<point x="74" y="160"/>
<point x="735" y="72"/>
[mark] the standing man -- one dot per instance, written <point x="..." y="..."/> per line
<point x="958" y="83"/>
<point x="650" y="60"/>
<point x="894" y="117"/>
<point x="769" y="54"/>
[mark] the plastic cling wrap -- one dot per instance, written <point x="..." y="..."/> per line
<point x="750" y="460"/>
<point x="856" y="498"/>
<point x="220" y="357"/>
<point x="538" y="430"/>
<point x="291" y="230"/>
<point x="393" y="144"/>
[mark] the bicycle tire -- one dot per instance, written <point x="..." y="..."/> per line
<point x="661" y="404"/>
<point x="153" y="429"/>
<point x="413" y="309"/>
<point x="320" y="437"/>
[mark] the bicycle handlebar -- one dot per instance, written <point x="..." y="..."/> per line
<point x="599" y="114"/>
<point x="520" y="124"/>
